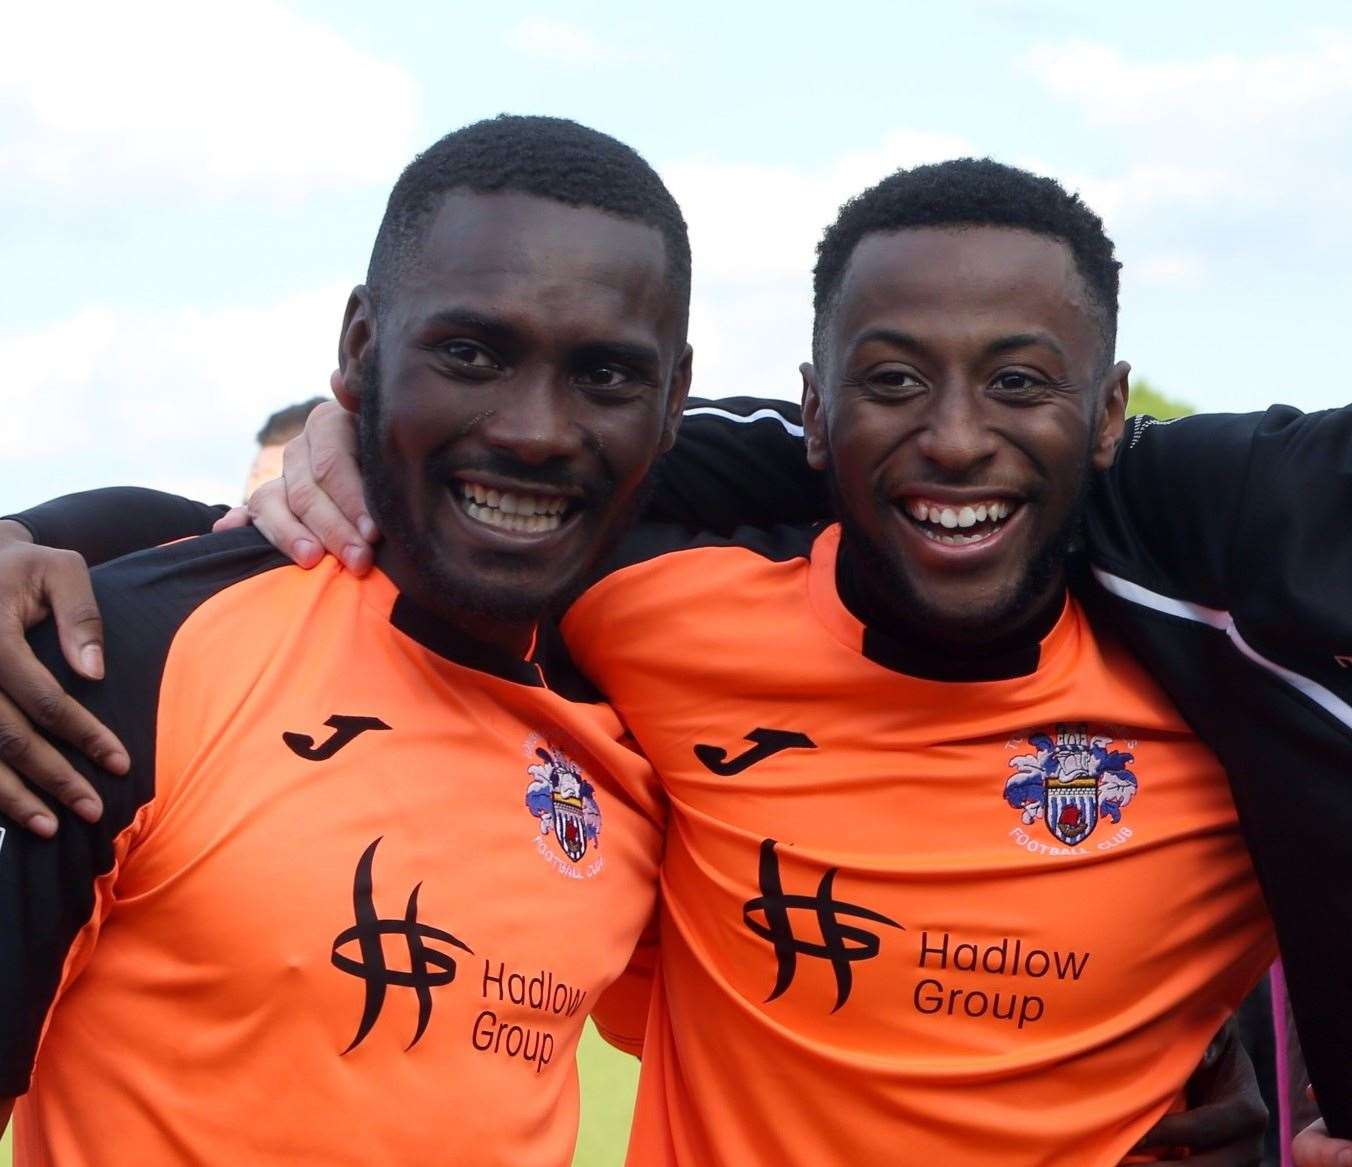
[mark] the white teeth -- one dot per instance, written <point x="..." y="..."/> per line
<point x="529" y="513"/>
<point x="951" y="518"/>
<point x="976" y="537"/>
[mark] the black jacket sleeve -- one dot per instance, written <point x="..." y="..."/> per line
<point x="1223" y="548"/>
<point x="739" y="461"/>
<point x="115" y="521"/>
<point x="50" y="888"/>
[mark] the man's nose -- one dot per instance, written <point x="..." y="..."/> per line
<point x="956" y="435"/>
<point x="534" y="421"/>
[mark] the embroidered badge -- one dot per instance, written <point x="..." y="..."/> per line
<point x="562" y="798"/>
<point x="1073" y="782"/>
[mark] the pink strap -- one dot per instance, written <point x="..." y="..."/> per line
<point x="1277" y="982"/>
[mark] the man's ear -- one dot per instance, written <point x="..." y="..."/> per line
<point x="676" y="395"/>
<point x="814" y="418"/>
<point x="1112" y="416"/>
<point x="356" y="345"/>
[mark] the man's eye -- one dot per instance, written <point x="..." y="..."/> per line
<point x="1016" y="382"/>
<point x="605" y="377"/>
<point x="466" y="353"/>
<point x="893" y="381"/>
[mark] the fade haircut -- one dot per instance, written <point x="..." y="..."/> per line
<point x="551" y="158"/>
<point x="968" y="192"/>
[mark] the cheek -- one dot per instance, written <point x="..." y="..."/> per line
<point x="629" y="446"/>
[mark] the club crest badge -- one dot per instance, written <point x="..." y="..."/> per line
<point x="564" y="801"/>
<point x="1073" y="782"/>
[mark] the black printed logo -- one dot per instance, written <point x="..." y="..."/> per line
<point x="841" y="944"/>
<point x="427" y="967"/>
<point x="345" y="729"/>
<point x="764" y="744"/>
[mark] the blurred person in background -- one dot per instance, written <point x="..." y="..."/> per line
<point x="279" y="429"/>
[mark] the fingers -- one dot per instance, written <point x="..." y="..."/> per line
<point x="1313" y="1147"/>
<point x="30" y="695"/>
<point x="24" y="752"/>
<point x="232" y="520"/>
<point x="331" y="439"/>
<point x="271" y="514"/>
<point x="1249" y="1156"/>
<point x="309" y="501"/>
<point x="1218" y="1125"/>
<point x="70" y="596"/>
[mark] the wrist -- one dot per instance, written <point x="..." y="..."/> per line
<point x="13" y="531"/>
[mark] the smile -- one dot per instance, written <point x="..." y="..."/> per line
<point x="959" y="524"/>
<point x="520" y="512"/>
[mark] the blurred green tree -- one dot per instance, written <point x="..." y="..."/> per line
<point x="1145" y="398"/>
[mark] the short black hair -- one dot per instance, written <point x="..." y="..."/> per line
<point x="552" y="158"/>
<point x="286" y="423"/>
<point x="968" y="192"/>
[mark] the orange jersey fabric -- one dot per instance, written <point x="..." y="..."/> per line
<point x="363" y="912"/>
<point x="908" y="920"/>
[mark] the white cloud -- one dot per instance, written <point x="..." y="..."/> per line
<point x="1225" y="91"/>
<point x="1218" y="133"/>
<point x="155" y="98"/>
<point x="748" y="222"/>
<point x="171" y="399"/>
<point x="562" y="43"/>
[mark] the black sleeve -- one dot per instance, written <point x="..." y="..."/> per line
<point x="739" y="461"/>
<point x="48" y="888"/>
<point x="1171" y="502"/>
<point x="115" y="521"/>
<point x="1224" y="547"/>
<point x="1248" y="514"/>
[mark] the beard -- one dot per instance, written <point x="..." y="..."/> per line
<point x="879" y="577"/>
<point x="459" y="591"/>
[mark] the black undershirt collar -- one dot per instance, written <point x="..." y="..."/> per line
<point x="548" y="665"/>
<point x="932" y="660"/>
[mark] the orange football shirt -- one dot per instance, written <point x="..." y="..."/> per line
<point x="908" y="920"/>
<point x="355" y="902"/>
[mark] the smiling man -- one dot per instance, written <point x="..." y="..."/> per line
<point x="948" y="876"/>
<point x="975" y="893"/>
<point x="380" y="848"/>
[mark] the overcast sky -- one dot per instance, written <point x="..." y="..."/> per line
<point x="188" y="191"/>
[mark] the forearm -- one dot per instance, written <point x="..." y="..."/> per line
<point x="105" y="524"/>
<point x="739" y="461"/>
<point x="13" y="531"/>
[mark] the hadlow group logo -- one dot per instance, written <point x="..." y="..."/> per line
<point x="1072" y="782"/>
<point x="561" y="797"/>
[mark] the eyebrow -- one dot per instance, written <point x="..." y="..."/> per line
<point x="470" y="320"/>
<point x="1025" y="340"/>
<point x="502" y="332"/>
<point x="622" y="350"/>
<point x="892" y="336"/>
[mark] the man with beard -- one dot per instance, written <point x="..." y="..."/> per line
<point x="380" y="848"/>
<point x="948" y="875"/>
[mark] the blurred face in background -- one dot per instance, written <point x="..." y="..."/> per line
<point x="267" y="465"/>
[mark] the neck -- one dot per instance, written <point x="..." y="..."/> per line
<point x="507" y="636"/>
<point x="865" y="594"/>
